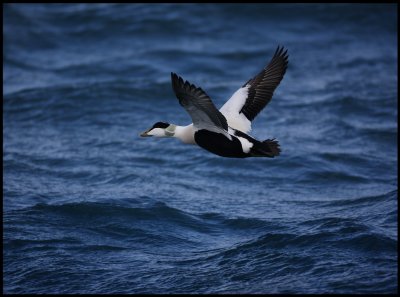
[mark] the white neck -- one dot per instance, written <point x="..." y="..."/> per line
<point x="185" y="134"/>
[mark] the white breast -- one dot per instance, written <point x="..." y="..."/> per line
<point x="185" y="134"/>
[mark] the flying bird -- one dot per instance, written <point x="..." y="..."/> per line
<point x="224" y="132"/>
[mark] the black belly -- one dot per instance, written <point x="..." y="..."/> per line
<point x="218" y="144"/>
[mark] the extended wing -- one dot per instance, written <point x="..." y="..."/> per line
<point x="246" y="103"/>
<point x="198" y="104"/>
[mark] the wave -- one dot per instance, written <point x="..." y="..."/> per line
<point x="352" y="237"/>
<point x="157" y="212"/>
<point x="368" y="200"/>
<point x="246" y="249"/>
<point x="133" y="215"/>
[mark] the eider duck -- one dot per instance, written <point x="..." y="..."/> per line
<point x="224" y="132"/>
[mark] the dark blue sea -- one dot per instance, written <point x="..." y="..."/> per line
<point x="91" y="207"/>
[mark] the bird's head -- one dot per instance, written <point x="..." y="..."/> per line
<point x="160" y="129"/>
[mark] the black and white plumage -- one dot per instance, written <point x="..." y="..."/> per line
<point x="224" y="132"/>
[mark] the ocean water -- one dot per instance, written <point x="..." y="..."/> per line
<point x="90" y="207"/>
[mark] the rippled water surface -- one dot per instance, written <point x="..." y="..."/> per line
<point x="90" y="207"/>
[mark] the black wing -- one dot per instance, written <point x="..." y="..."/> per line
<point x="263" y="85"/>
<point x="198" y="104"/>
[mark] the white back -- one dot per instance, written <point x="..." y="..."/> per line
<point x="231" y="110"/>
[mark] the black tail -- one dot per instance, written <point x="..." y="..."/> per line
<point x="268" y="148"/>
